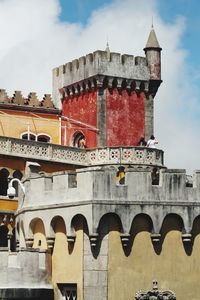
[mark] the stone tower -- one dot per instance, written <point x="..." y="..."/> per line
<point x="108" y="97"/>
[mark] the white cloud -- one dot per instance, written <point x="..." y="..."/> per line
<point x="33" y="41"/>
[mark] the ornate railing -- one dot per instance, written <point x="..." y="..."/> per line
<point x="70" y="155"/>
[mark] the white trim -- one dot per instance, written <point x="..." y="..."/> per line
<point x="44" y="134"/>
<point x="29" y="133"/>
<point x="35" y="135"/>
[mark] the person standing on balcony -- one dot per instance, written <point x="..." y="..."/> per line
<point x="142" y="142"/>
<point x="152" y="142"/>
<point x="82" y="143"/>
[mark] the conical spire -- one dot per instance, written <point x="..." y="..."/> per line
<point x="108" y="50"/>
<point x="152" y="40"/>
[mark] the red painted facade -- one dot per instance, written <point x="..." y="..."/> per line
<point x="83" y="110"/>
<point x="125" y="118"/>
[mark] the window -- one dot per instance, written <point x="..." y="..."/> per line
<point x="79" y="140"/>
<point x="68" y="290"/>
<point x="41" y="137"/>
<point x="28" y="136"/>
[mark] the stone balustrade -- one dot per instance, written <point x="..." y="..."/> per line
<point x="80" y="157"/>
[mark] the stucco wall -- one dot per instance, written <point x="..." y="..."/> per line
<point x="125" y="118"/>
<point x="67" y="260"/>
<point x="14" y="123"/>
<point x="82" y="108"/>
<point x="173" y="267"/>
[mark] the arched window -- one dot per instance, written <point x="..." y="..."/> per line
<point x="3" y="181"/>
<point x="79" y="140"/>
<point x="28" y="136"/>
<point x="43" y="138"/>
<point x="19" y="175"/>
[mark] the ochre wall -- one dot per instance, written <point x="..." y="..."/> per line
<point x="172" y="268"/>
<point x="82" y="108"/>
<point x="125" y="118"/>
<point x="13" y="123"/>
<point x="67" y="262"/>
<point x="8" y="205"/>
<point x="39" y="235"/>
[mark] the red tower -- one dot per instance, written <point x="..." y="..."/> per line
<point x="108" y="97"/>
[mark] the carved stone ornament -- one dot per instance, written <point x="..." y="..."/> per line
<point x="155" y="294"/>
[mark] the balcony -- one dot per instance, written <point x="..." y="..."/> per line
<point x="80" y="157"/>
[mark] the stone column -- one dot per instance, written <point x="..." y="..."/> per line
<point x="95" y="269"/>
<point x="101" y="117"/>
<point x="149" y="116"/>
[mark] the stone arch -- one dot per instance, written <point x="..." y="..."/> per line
<point x="37" y="228"/>
<point x="171" y="223"/>
<point x="17" y="174"/>
<point x="57" y="225"/>
<point x="141" y="223"/>
<point x="77" y="229"/>
<point x="195" y="231"/>
<point x="58" y="232"/>
<point x="4" y="174"/>
<point x="109" y="222"/>
<point x="78" y="221"/>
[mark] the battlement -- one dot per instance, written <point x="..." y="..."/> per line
<point x="31" y="101"/>
<point x="94" y="192"/>
<point x="26" y="268"/>
<point x="99" y="63"/>
<point x="171" y="186"/>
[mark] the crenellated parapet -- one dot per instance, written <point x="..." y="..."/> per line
<point x="65" y="195"/>
<point x="98" y="62"/>
<point x="31" y="101"/>
<point x="113" y="70"/>
<point x="26" y="269"/>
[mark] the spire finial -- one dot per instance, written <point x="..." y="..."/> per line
<point x="152" y="23"/>
<point x="108" y="49"/>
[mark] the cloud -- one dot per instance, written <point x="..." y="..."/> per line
<point x="33" y="41"/>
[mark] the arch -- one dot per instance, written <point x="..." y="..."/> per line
<point x="58" y="225"/>
<point x="141" y="222"/>
<point x="39" y="237"/>
<point x="19" y="175"/>
<point x="109" y="222"/>
<point x="79" y="222"/>
<point x="3" y="181"/>
<point x="28" y="136"/>
<point x="43" y="137"/>
<point x="78" y="136"/>
<point x="195" y="227"/>
<point x="172" y="222"/>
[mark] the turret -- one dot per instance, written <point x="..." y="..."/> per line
<point x="153" y="56"/>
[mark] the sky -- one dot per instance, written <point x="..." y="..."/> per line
<point x="38" y="35"/>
